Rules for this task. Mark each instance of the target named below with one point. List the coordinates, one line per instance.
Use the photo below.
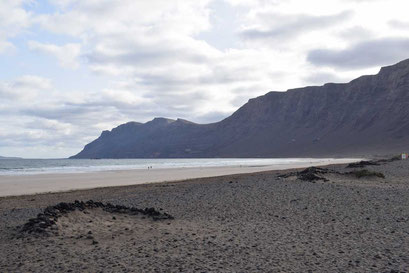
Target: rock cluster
(313, 174)
(362, 164)
(46, 221)
(310, 174)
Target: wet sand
(40, 183)
(258, 222)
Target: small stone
(377, 256)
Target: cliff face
(369, 115)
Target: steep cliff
(369, 115)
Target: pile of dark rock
(311, 174)
(46, 221)
(364, 163)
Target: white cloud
(67, 55)
(278, 26)
(13, 19)
(177, 17)
(26, 87)
(5, 46)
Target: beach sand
(257, 222)
(40, 183)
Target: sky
(70, 68)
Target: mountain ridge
(367, 115)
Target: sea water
(42, 166)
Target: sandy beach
(40, 183)
(261, 222)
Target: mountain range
(367, 116)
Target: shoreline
(269, 221)
(33, 184)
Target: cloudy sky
(72, 68)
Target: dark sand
(237, 223)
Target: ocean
(43, 166)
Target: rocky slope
(369, 115)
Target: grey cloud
(323, 77)
(72, 142)
(245, 90)
(133, 53)
(218, 75)
(244, 93)
(211, 117)
(363, 54)
(239, 100)
(18, 139)
(5, 93)
(399, 24)
(24, 87)
(129, 58)
(64, 112)
(173, 104)
(356, 33)
(287, 26)
(176, 105)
